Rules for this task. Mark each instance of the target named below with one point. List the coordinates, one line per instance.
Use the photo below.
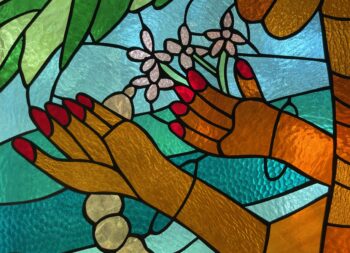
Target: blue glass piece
(244, 179)
(283, 77)
(196, 247)
(310, 108)
(126, 33)
(40, 90)
(14, 116)
(55, 224)
(307, 43)
(160, 222)
(276, 208)
(172, 239)
(139, 215)
(20, 180)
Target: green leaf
(137, 4)
(14, 8)
(10, 32)
(10, 66)
(109, 13)
(43, 37)
(81, 17)
(161, 3)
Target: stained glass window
(174, 126)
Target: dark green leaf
(79, 23)
(14, 8)
(109, 13)
(10, 67)
(161, 3)
(137, 4)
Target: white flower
(225, 38)
(183, 48)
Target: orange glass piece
(343, 142)
(341, 88)
(343, 173)
(339, 8)
(339, 213)
(342, 113)
(337, 239)
(253, 10)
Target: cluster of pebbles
(111, 229)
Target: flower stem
(204, 64)
(172, 73)
(222, 72)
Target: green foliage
(48, 25)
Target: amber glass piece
(339, 8)
(110, 117)
(252, 133)
(342, 113)
(225, 225)
(337, 238)
(83, 176)
(253, 10)
(338, 37)
(249, 88)
(341, 88)
(339, 213)
(95, 123)
(200, 141)
(305, 147)
(343, 173)
(219, 100)
(343, 142)
(289, 16)
(156, 180)
(300, 232)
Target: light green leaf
(109, 13)
(137, 4)
(44, 36)
(10, 32)
(10, 66)
(83, 13)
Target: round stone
(129, 91)
(98, 206)
(189, 51)
(226, 34)
(111, 232)
(120, 104)
(133, 245)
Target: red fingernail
(75, 108)
(177, 129)
(196, 80)
(186, 94)
(25, 148)
(84, 100)
(244, 69)
(41, 120)
(179, 108)
(58, 113)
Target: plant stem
(172, 73)
(222, 72)
(204, 64)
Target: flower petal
(138, 54)
(147, 65)
(165, 83)
(217, 46)
(185, 36)
(154, 74)
(228, 19)
(213, 34)
(147, 40)
(230, 48)
(172, 47)
(237, 38)
(163, 57)
(185, 61)
(152, 92)
(140, 81)
(201, 51)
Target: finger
(81, 176)
(200, 85)
(97, 108)
(194, 138)
(86, 117)
(246, 80)
(87, 138)
(55, 133)
(192, 120)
